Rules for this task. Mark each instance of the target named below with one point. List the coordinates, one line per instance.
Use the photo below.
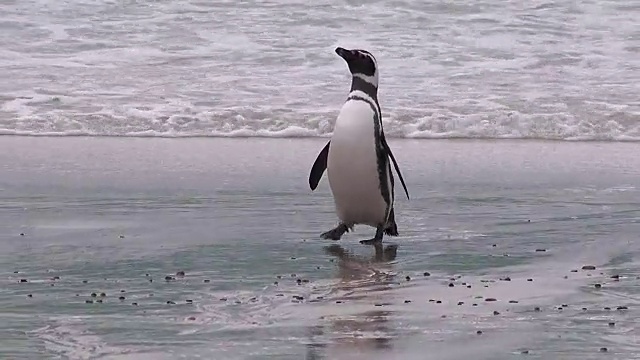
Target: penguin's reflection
(363, 279)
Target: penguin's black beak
(347, 55)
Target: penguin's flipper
(395, 164)
(318, 167)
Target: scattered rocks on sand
(588, 267)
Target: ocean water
(482, 69)
(510, 220)
(132, 227)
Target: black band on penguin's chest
(382, 158)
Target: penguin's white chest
(352, 166)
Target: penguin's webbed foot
(337, 232)
(377, 239)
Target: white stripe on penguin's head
(362, 64)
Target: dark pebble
(432, 300)
(529, 279)
(121, 290)
(377, 304)
(16, 271)
(506, 279)
(180, 273)
(408, 278)
(541, 250)
(407, 301)
(490, 299)
(84, 281)
(169, 302)
(565, 305)
(474, 304)
(53, 284)
(451, 285)
(588, 267)
(468, 286)
(299, 281)
(495, 312)
(55, 278)
(438, 301)
(615, 276)
(622, 308)
(275, 283)
(121, 236)
(23, 280)
(460, 303)
(494, 245)
(192, 318)
(94, 294)
(479, 332)
(207, 280)
(603, 349)
(317, 267)
(88, 301)
(513, 301)
(524, 352)
(278, 276)
(560, 307)
(293, 275)
(612, 324)
(338, 302)
(21, 234)
(607, 308)
(121, 298)
(298, 297)
(426, 273)
(147, 275)
(189, 301)
(597, 286)
(29, 295)
(574, 270)
(134, 303)
(99, 301)
(169, 278)
(150, 280)
(584, 309)
(537, 308)
(225, 299)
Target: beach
(210, 248)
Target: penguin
(357, 157)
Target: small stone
(94, 294)
(121, 298)
(443, 316)
(506, 279)
(524, 352)
(494, 245)
(169, 302)
(180, 273)
(169, 278)
(615, 276)
(565, 305)
(603, 349)
(541, 250)
(426, 273)
(584, 309)
(189, 301)
(529, 280)
(479, 332)
(490, 299)
(495, 312)
(88, 301)
(451, 285)
(474, 304)
(29, 295)
(99, 301)
(278, 276)
(225, 299)
(134, 303)
(293, 258)
(298, 297)
(23, 280)
(574, 271)
(468, 286)
(407, 301)
(432, 300)
(460, 303)
(121, 290)
(612, 324)
(408, 278)
(513, 301)
(588, 267)
(338, 302)
(438, 301)
(84, 281)
(150, 280)
(275, 283)
(207, 280)
(622, 308)
(597, 286)
(191, 318)
(55, 278)
(607, 308)
(16, 271)
(537, 308)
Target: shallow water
(482, 69)
(119, 212)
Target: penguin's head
(361, 64)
